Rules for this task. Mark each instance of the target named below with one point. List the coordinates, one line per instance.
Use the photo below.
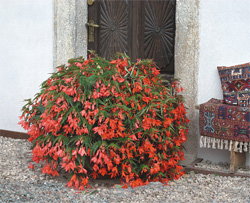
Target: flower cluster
(107, 118)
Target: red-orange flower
(110, 118)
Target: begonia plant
(113, 118)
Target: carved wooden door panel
(142, 29)
(158, 33)
(112, 35)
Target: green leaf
(117, 186)
(113, 144)
(60, 137)
(65, 117)
(83, 160)
(132, 71)
(142, 166)
(78, 160)
(95, 146)
(87, 142)
(41, 108)
(94, 192)
(141, 112)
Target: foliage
(96, 117)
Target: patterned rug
(235, 83)
(220, 124)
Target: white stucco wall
(26, 54)
(224, 40)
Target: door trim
(72, 16)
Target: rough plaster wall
(224, 40)
(70, 33)
(26, 54)
(186, 65)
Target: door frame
(70, 40)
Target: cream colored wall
(224, 40)
(26, 54)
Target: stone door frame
(70, 40)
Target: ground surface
(18, 183)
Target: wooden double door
(140, 28)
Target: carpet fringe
(215, 143)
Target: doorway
(141, 29)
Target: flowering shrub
(96, 117)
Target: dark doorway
(142, 29)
